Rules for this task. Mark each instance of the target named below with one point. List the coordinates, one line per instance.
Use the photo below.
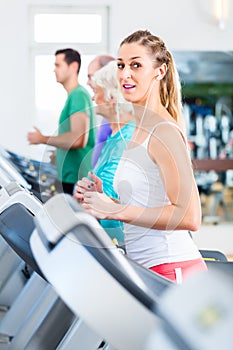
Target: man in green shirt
(76, 136)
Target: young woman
(111, 104)
(159, 200)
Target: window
(76, 28)
(53, 28)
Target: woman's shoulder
(171, 126)
(169, 132)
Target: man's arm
(76, 138)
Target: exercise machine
(94, 278)
(36, 317)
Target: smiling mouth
(128, 86)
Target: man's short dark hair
(71, 56)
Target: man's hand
(35, 137)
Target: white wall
(183, 24)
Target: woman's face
(136, 72)
(100, 100)
(99, 96)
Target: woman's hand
(100, 205)
(98, 186)
(87, 185)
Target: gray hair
(106, 78)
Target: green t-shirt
(73, 164)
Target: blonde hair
(106, 78)
(170, 89)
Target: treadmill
(128, 306)
(113, 295)
(36, 318)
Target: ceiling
(205, 66)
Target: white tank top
(138, 183)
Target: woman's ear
(161, 71)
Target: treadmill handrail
(13, 173)
(15, 193)
(84, 228)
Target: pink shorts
(179, 271)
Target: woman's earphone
(158, 77)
